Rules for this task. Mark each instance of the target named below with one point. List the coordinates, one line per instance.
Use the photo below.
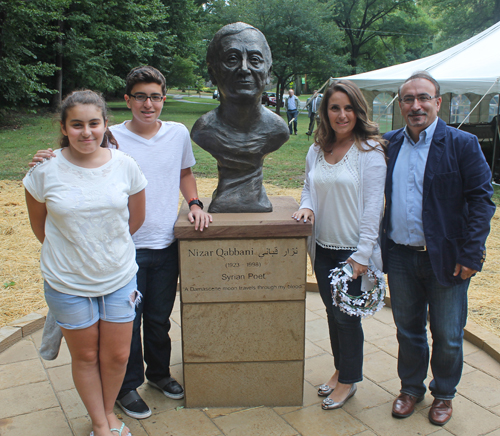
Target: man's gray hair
(422, 75)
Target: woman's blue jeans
(414, 288)
(346, 332)
(157, 281)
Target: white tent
(471, 66)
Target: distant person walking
(292, 106)
(312, 105)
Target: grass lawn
(284, 167)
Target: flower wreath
(369, 302)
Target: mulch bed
(22, 284)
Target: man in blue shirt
(437, 218)
(292, 106)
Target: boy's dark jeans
(157, 281)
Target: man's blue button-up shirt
(407, 189)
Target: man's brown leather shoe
(404, 405)
(440, 412)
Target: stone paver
(48, 422)
(26, 399)
(483, 362)
(24, 350)
(38, 397)
(184, 422)
(481, 388)
(21, 373)
(313, 421)
(253, 422)
(470, 418)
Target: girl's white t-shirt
(88, 250)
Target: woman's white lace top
(337, 188)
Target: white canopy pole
(485, 94)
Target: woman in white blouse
(343, 197)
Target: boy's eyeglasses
(155, 98)
(424, 98)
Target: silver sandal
(324, 390)
(329, 404)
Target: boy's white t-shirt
(88, 250)
(161, 158)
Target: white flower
(368, 303)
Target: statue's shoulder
(205, 125)
(206, 120)
(275, 124)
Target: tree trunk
(298, 85)
(2, 20)
(278, 96)
(57, 97)
(496, 11)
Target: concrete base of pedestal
(244, 384)
(243, 308)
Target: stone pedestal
(243, 308)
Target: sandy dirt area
(21, 281)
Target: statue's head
(239, 61)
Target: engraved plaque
(243, 270)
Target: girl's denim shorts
(74, 313)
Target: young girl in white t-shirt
(84, 205)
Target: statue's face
(242, 71)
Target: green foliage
(23, 30)
(496, 195)
(182, 74)
(51, 47)
(177, 54)
(56, 46)
(458, 20)
(102, 41)
(377, 33)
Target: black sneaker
(133, 405)
(170, 387)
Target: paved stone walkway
(38, 397)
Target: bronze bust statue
(241, 131)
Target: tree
(179, 57)
(54, 46)
(372, 26)
(100, 42)
(23, 31)
(459, 20)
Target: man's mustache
(418, 113)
